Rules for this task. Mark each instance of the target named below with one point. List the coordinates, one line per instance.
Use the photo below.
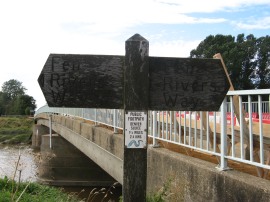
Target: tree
(4, 103)
(239, 55)
(13, 88)
(22, 102)
(13, 99)
(212, 45)
(261, 75)
(246, 53)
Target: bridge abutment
(65, 165)
(38, 131)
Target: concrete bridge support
(65, 165)
(38, 131)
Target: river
(27, 170)
(27, 167)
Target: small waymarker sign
(96, 81)
(135, 129)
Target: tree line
(247, 58)
(14, 100)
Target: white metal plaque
(135, 129)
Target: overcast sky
(32, 29)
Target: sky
(32, 29)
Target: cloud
(176, 48)
(262, 23)
(210, 6)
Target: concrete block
(87, 130)
(57, 119)
(113, 143)
(77, 126)
(63, 121)
(69, 123)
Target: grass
(14, 130)
(29, 191)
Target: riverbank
(15, 139)
(29, 191)
(18, 168)
(16, 130)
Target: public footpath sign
(136, 83)
(135, 129)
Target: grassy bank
(25, 192)
(18, 130)
(14, 130)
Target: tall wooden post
(136, 90)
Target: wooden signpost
(136, 83)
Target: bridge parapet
(191, 179)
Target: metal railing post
(50, 126)
(223, 136)
(155, 143)
(114, 121)
(260, 129)
(250, 128)
(82, 112)
(95, 116)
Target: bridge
(214, 156)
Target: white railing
(109, 117)
(240, 134)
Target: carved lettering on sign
(97, 81)
(84, 80)
(185, 84)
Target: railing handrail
(250, 92)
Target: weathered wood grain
(136, 98)
(186, 84)
(94, 81)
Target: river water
(27, 169)
(24, 156)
